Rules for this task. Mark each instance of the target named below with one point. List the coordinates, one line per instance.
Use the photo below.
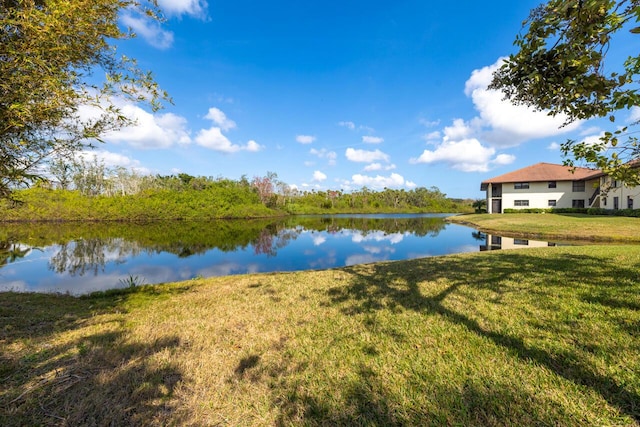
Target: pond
(79, 258)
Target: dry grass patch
(535, 337)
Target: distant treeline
(92, 194)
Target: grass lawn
(558, 226)
(529, 337)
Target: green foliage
(633, 213)
(479, 205)
(103, 194)
(560, 67)
(527, 210)
(50, 54)
(132, 281)
(367, 201)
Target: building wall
(539, 194)
(613, 190)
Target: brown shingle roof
(543, 172)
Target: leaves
(50, 54)
(560, 68)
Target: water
(87, 257)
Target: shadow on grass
(61, 366)
(386, 286)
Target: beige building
(616, 195)
(545, 186)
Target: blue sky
(335, 95)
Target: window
(604, 201)
(521, 186)
(521, 242)
(577, 203)
(520, 203)
(552, 184)
(552, 202)
(615, 184)
(616, 203)
(578, 186)
(496, 240)
(629, 202)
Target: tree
(264, 186)
(479, 205)
(560, 68)
(52, 101)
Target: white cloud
(500, 124)
(433, 135)
(253, 146)
(458, 130)
(378, 182)
(554, 146)
(319, 176)
(373, 167)
(509, 124)
(467, 155)
(365, 156)
(372, 139)
(149, 130)
(220, 118)
(305, 139)
(634, 114)
(503, 159)
(213, 139)
(110, 160)
(149, 30)
(196, 8)
(410, 184)
(348, 125)
(593, 139)
(429, 123)
(590, 130)
(318, 240)
(377, 166)
(331, 156)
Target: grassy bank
(536, 337)
(557, 226)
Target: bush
(528, 210)
(571, 210)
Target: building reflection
(493, 242)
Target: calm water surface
(82, 258)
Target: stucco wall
(622, 192)
(538, 194)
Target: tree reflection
(11, 252)
(270, 240)
(91, 255)
(86, 248)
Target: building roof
(543, 172)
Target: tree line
(89, 190)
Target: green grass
(529, 337)
(558, 226)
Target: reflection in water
(86, 257)
(10, 252)
(493, 242)
(90, 255)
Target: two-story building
(544, 185)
